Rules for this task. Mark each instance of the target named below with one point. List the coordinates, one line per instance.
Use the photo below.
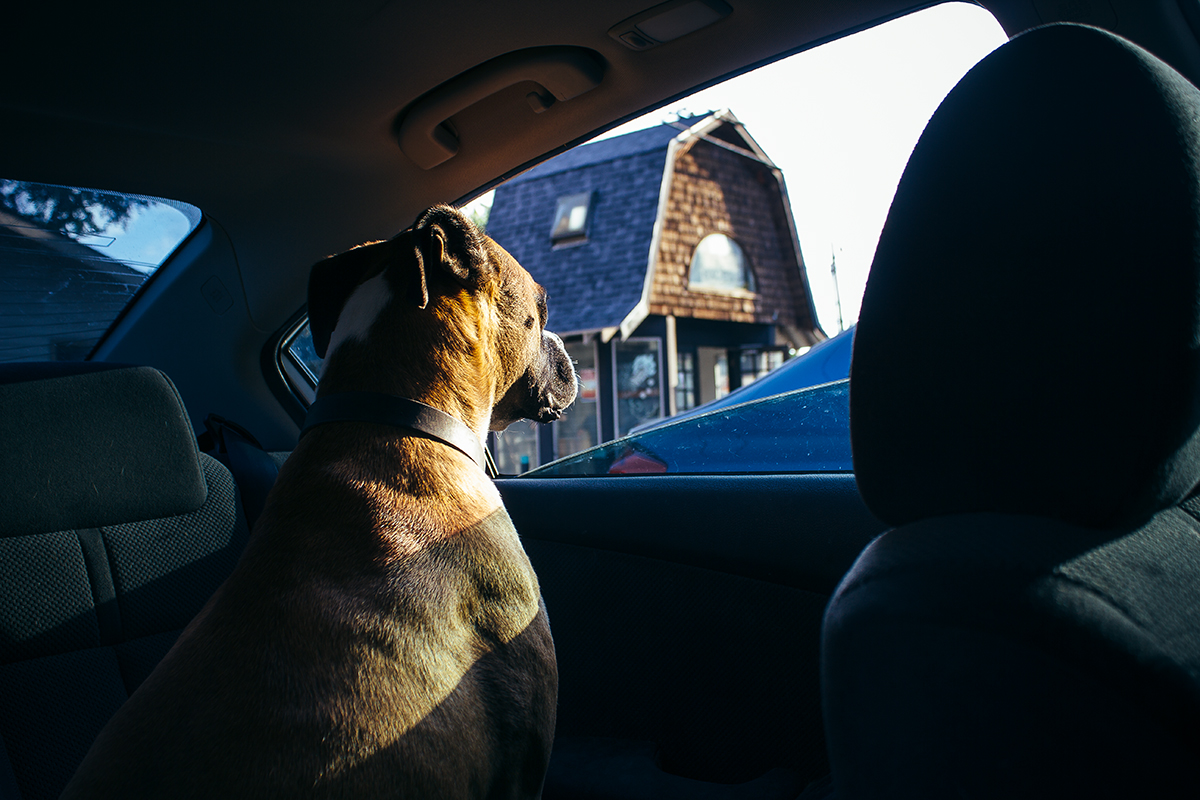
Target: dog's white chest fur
(360, 313)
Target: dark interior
(688, 611)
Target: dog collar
(400, 412)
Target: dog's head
(443, 314)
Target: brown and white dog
(383, 634)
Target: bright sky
(840, 120)
(145, 239)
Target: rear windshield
(71, 259)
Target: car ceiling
(276, 119)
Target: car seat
(115, 531)
(1025, 411)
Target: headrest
(1028, 340)
(98, 447)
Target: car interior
(1029, 624)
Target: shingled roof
(601, 284)
(596, 285)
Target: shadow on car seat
(1025, 409)
(115, 533)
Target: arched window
(720, 265)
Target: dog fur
(383, 635)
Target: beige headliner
(276, 118)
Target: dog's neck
(469, 401)
(460, 410)
(398, 412)
(447, 370)
(401, 478)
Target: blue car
(753, 429)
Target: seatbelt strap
(9, 790)
(253, 468)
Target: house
(673, 270)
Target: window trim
(295, 373)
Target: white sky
(840, 120)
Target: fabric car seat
(1025, 411)
(114, 533)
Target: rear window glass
(71, 259)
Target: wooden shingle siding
(714, 190)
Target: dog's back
(430, 675)
(383, 634)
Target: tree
(74, 211)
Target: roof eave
(637, 315)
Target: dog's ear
(447, 243)
(331, 283)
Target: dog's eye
(529, 323)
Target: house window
(719, 265)
(571, 217)
(516, 448)
(579, 427)
(637, 367)
(685, 385)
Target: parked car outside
(826, 362)
(804, 430)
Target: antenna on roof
(837, 293)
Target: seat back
(115, 532)
(1025, 410)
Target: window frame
(296, 374)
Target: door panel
(686, 610)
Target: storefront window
(579, 427)
(755, 364)
(516, 449)
(637, 371)
(685, 382)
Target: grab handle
(564, 72)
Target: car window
(728, 239)
(71, 260)
(718, 242)
(807, 430)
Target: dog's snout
(563, 383)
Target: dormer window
(571, 218)
(719, 265)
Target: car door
(686, 612)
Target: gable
(718, 191)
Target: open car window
(715, 242)
(807, 430)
